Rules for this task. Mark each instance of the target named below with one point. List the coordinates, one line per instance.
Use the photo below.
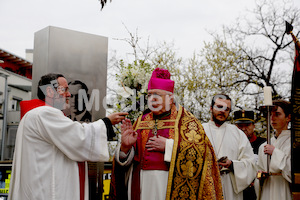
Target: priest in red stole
(51, 150)
(165, 154)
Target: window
(16, 103)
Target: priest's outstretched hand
(117, 117)
(128, 136)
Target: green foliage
(133, 82)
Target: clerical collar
(160, 116)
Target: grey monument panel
(79, 56)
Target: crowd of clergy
(165, 154)
(242, 156)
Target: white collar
(212, 123)
(284, 132)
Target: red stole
(28, 105)
(81, 170)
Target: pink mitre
(160, 79)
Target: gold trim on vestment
(203, 173)
(193, 172)
(138, 121)
(174, 152)
(162, 124)
(147, 124)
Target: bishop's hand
(128, 136)
(156, 143)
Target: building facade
(15, 78)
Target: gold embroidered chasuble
(193, 171)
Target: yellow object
(106, 186)
(3, 191)
(106, 183)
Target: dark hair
(285, 105)
(78, 82)
(219, 96)
(84, 87)
(47, 80)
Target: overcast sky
(186, 23)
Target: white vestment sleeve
(244, 167)
(168, 150)
(120, 155)
(281, 162)
(79, 142)
(261, 157)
